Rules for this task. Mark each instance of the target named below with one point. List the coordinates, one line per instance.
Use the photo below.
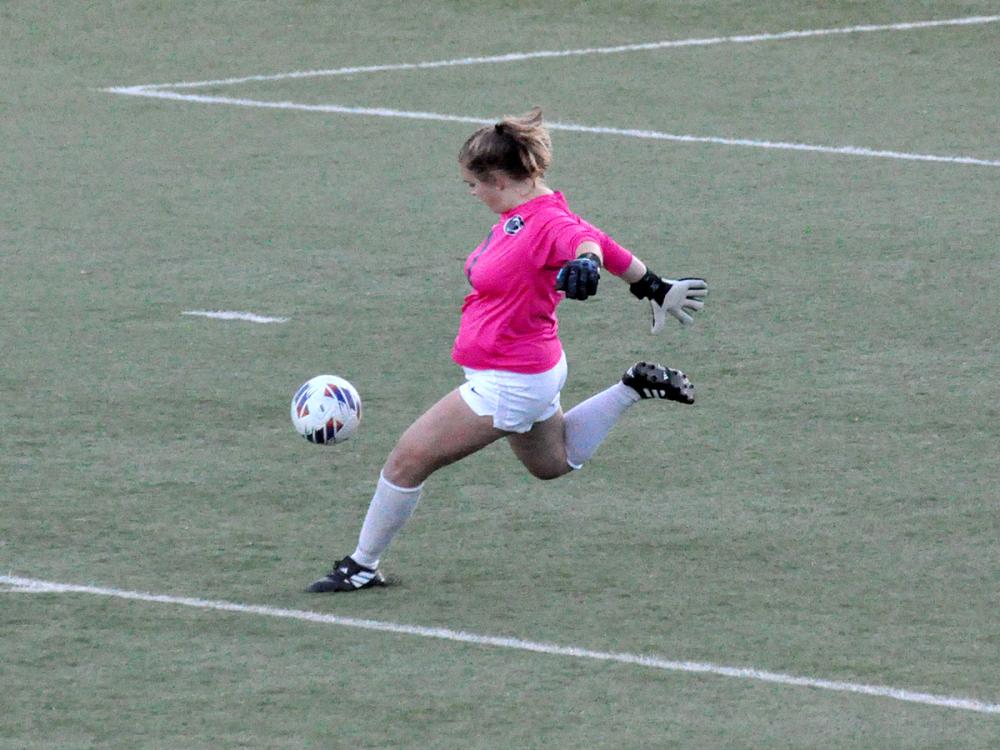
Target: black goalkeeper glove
(578, 278)
(668, 296)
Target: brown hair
(519, 146)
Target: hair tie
(499, 128)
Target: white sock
(590, 421)
(390, 508)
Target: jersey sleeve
(567, 233)
(616, 258)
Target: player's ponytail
(519, 146)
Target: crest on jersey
(513, 225)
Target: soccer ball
(326, 410)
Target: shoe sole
(658, 375)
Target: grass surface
(829, 508)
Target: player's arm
(678, 297)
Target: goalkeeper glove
(668, 296)
(578, 278)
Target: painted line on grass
(234, 315)
(570, 127)
(517, 644)
(549, 54)
(168, 91)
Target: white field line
(168, 90)
(233, 315)
(543, 54)
(517, 644)
(570, 127)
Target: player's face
(491, 192)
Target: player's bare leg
(445, 433)
(543, 449)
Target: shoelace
(337, 568)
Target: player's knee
(548, 471)
(408, 465)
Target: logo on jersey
(513, 225)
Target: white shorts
(515, 400)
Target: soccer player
(536, 254)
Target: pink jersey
(509, 319)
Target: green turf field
(828, 510)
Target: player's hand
(578, 278)
(679, 298)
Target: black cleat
(347, 575)
(656, 381)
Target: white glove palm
(683, 295)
